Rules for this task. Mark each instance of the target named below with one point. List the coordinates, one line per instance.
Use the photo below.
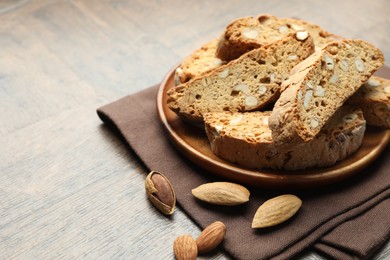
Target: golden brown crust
(247, 33)
(198, 63)
(245, 139)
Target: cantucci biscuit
(245, 84)
(245, 139)
(247, 33)
(316, 90)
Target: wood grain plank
(68, 187)
(78, 206)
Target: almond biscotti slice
(245, 84)
(199, 62)
(374, 99)
(315, 91)
(247, 33)
(245, 139)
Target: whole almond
(211, 237)
(184, 248)
(160, 192)
(222, 193)
(276, 210)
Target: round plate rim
(262, 178)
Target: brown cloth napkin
(347, 220)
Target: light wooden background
(68, 187)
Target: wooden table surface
(68, 187)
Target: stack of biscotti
(248, 83)
(245, 139)
(241, 36)
(309, 124)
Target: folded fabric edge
(109, 123)
(326, 226)
(333, 252)
(371, 221)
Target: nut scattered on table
(211, 237)
(185, 248)
(222, 193)
(160, 192)
(276, 210)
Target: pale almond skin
(276, 210)
(211, 237)
(160, 192)
(185, 248)
(222, 193)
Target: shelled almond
(211, 237)
(184, 248)
(276, 210)
(222, 193)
